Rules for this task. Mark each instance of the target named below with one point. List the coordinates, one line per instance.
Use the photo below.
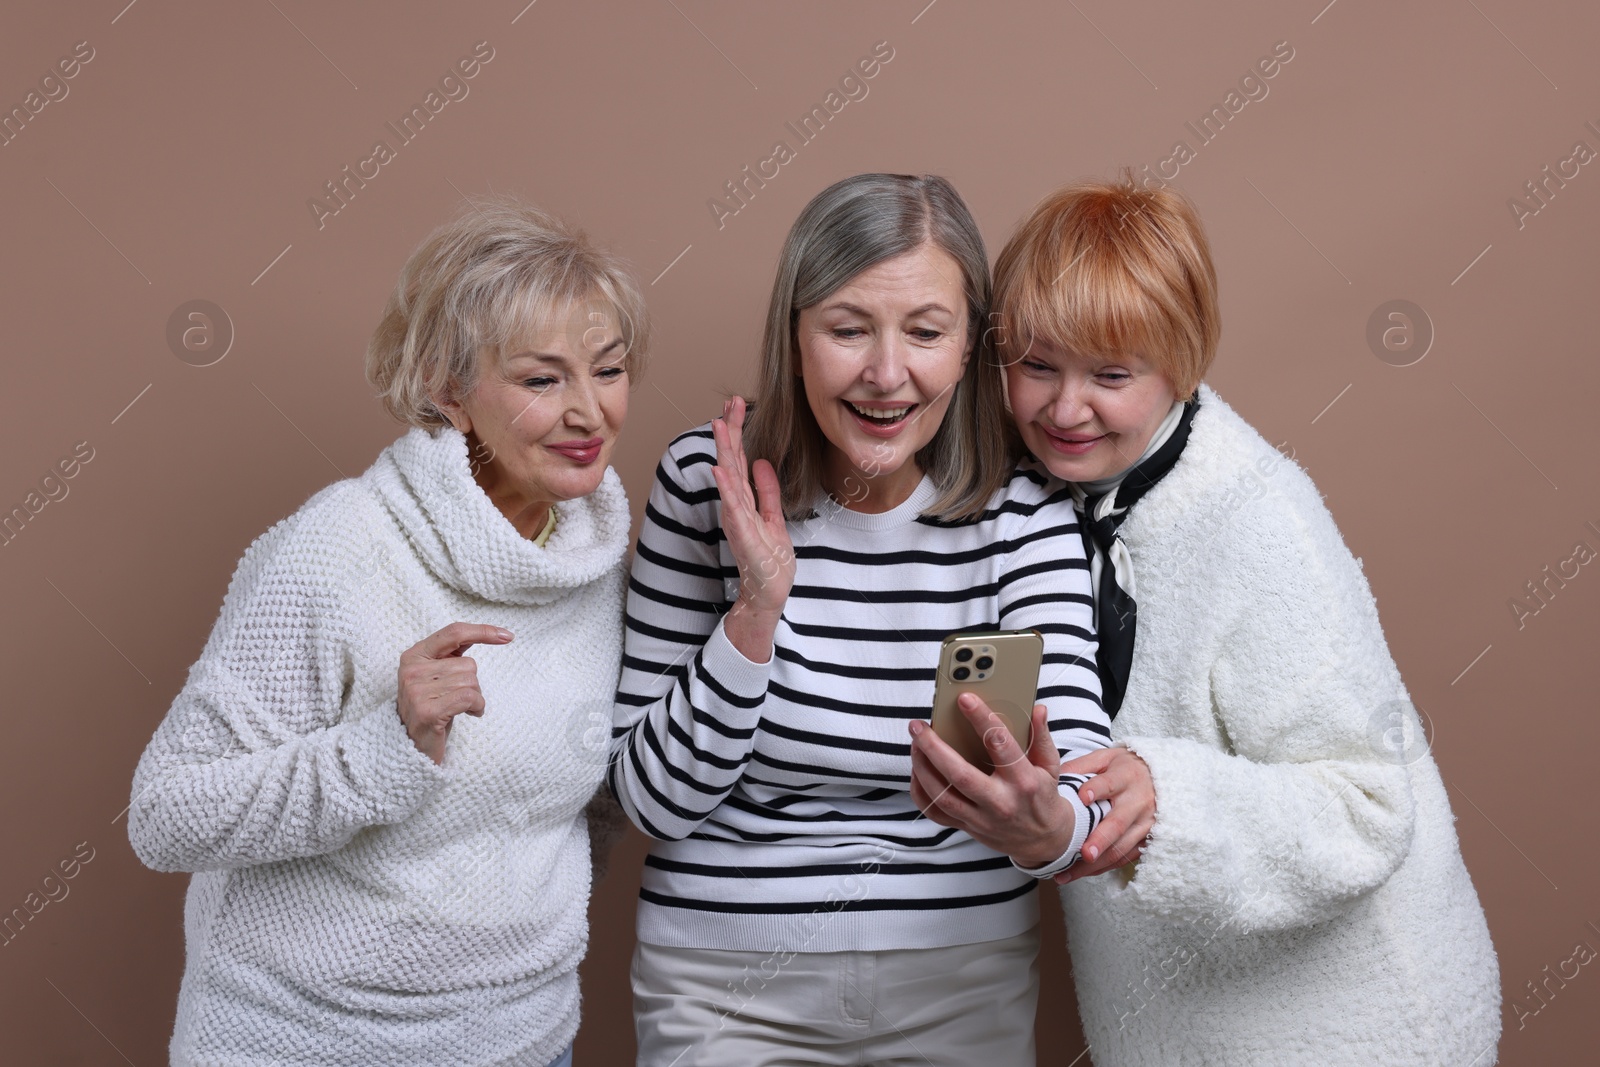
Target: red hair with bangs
(1108, 268)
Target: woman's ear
(455, 413)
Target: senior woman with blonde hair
(1299, 895)
(378, 879)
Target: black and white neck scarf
(1103, 506)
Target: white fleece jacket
(1303, 898)
(354, 903)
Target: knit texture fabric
(1302, 899)
(352, 902)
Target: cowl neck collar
(426, 482)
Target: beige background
(1378, 167)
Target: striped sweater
(778, 792)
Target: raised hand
(437, 683)
(753, 523)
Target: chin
(574, 488)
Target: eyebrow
(844, 305)
(550, 357)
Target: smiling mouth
(581, 451)
(882, 416)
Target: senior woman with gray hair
(378, 879)
(796, 907)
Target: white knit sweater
(1303, 898)
(354, 903)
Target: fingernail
(917, 726)
(505, 635)
(1092, 852)
(1088, 796)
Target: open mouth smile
(882, 417)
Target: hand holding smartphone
(1002, 668)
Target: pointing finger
(456, 638)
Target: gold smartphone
(1002, 668)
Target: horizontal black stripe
(749, 807)
(741, 907)
(710, 536)
(848, 707)
(676, 637)
(1051, 566)
(694, 570)
(790, 799)
(665, 802)
(811, 771)
(651, 668)
(1096, 728)
(825, 870)
(852, 744)
(668, 600)
(1009, 507)
(1070, 691)
(1067, 659)
(897, 596)
(880, 633)
(792, 787)
(1086, 636)
(691, 497)
(711, 722)
(728, 696)
(685, 775)
(1022, 603)
(808, 839)
(697, 754)
(922, 556)
(848, 670)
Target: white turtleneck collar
(426, 482)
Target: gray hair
(488, 279)
(847, 228)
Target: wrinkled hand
(757, 537)
(437, 683)
(1018, 810)
(1123, 778)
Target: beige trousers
(962, 1006)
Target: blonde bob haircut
(1108, 268)
(847, 228)
(487, 281)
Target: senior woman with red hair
(1299, 895)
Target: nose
(1071, 405)
(583, 405)
(886, 365)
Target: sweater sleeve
(1309, 810)
(254, 761)
(688, 702)
(1045, 587)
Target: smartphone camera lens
(963, 654)
(984, 663)
(961, 674)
